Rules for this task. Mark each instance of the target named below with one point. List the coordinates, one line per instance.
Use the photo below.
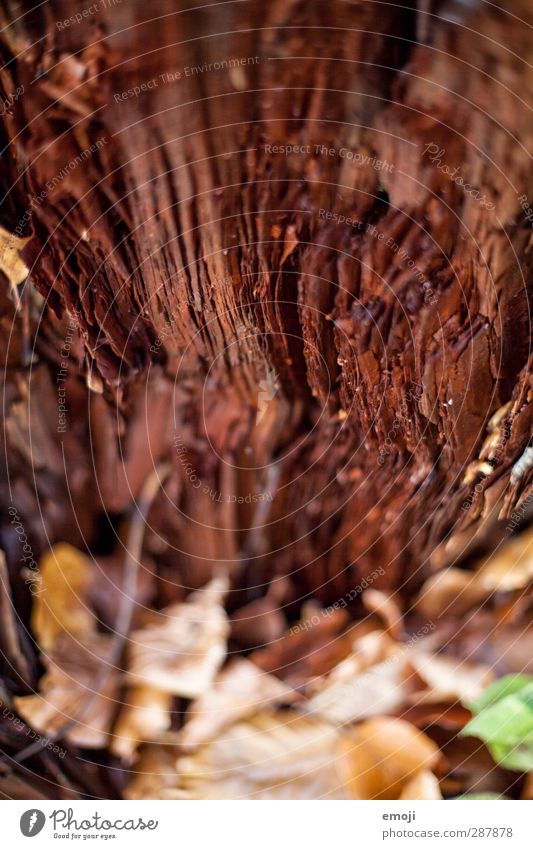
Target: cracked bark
(201, 269)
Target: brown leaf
(183, 649)
(272, 756)
(241, 690)
(290, 756)
(422, 786)
(382, 755)
(470, 767)
(60, 604)
(450, 591)
(444, 714)
(450, 678)
(510, 567)
(10, 261)
(258, 623)
(154, 776)
(376, 601)
(67, 692)
(314, 651)
(144, 715)
(376, 678)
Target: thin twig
(122, 625)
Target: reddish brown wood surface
(225, 315)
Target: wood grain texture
(201, 269)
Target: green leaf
(505, 724)
(479, 796)
(501, 688)
(518, 758)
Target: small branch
(123, 622)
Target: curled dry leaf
(67, 692)
(183, 649)
(240, 690)
(448, 678)
(376, 678)
(60, 604)
(423, 786)
(451, 591)
(304, 652)
(367, 650)
(258, 623)
(154, 776)
(511, 567)
(145, 714)
(382, 755)
(445, 715)
(376, 601)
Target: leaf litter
(338, 710)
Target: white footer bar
(269, 825)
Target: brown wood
(222, 313)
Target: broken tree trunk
(285, 247)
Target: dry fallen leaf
(10, 261)
(272, 756)
(366, 650)
(302, 653)
(67, 692)
(241, 690)
(376, 601)
(382, 755)
(449, 678)
(287, 755)
(511, 567)
(423, 786)
(183, 649)
(154, 775)
(376, 678)
(258, 623)
(451, 591)
(60, 603)
(144, 714)
(445, 715)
